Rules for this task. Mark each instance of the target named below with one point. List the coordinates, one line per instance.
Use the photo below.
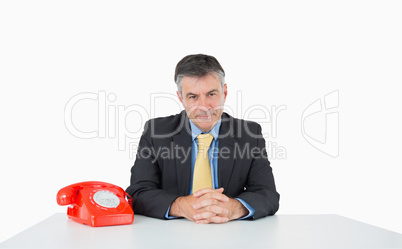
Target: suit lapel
(183, 158)
(226, 148)
(225, 160)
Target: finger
(214, 219)
(204, 203)
(201, 221)
(211, 211)
(210, 199)
(203, 216)
(213, 195)
(218, 210)
(218, 219)
(204, 191)
(207, 190)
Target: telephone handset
(96, 204)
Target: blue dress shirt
(213, 161)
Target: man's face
(203, 99)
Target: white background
(287, 54)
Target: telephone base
(109, 220)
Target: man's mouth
(204, 116)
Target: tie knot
(205, 140)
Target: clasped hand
(208, 206)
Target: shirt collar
(195, 131)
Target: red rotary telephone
(96, 204)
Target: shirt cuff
(167, 216)
(251, 210)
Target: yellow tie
(202, 171)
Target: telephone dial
(96, 204)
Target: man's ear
(225, 90)
(179, 96)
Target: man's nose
(202, 101)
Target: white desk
(279, 231)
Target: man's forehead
(205, 83)
(208, 77)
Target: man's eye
(212, 94)
(192, 97)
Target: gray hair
(198, 65)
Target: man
(202, 164)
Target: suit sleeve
(148, 198)
(260, 191)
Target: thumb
(220, 190)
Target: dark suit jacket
(162, 169)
